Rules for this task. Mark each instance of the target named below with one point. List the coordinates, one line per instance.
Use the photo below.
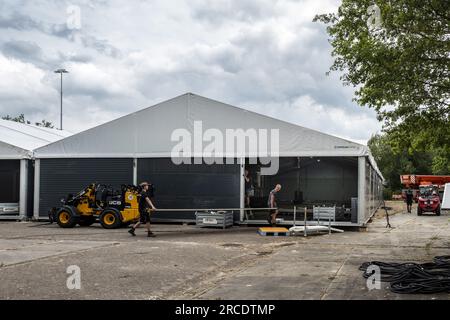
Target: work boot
(131, 231)
(151, 234)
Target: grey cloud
(217, 12)
(35, 110)
(252, 68)
(27, 51)
(98, 93)
(75, 57)
(18, 21)
(61, 31)
(101, 46)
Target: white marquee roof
(147, 133)
(18, 140)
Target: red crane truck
(428, 191)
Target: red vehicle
(427, 189)
(429, 200)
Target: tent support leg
(242, 187)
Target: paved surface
(184, 262)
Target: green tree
(393, 164)
(45, 124)
(400, 67)
(21, 118)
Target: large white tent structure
(315, 167)
(17, 142)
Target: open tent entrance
(307, 181)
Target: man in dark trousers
(409, 199)
(145, 207)
(272, 203)
(249, 191)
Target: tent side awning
(10, 152)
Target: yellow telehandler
(112, 208)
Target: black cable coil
(431, 277)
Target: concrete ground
(185, 262)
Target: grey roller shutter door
(10, 181)
(9, 187)
(59, 177)
(191, 186)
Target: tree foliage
(399, 67)
(21, 118)
(393, 164)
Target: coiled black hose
(431, 277)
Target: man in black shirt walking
(145, 207)
(409, 199)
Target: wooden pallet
(273, 232)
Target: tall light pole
(61, 71)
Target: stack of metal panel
(324, 213)
(218, 219)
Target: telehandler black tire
(66, 217)
(110, 218)
(86, 221)
(438, 211)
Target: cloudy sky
(263, 55)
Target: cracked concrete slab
(12, 252)
(185, 262)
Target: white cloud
(23, 88)
(264, 55)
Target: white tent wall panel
(373, 191)
(368, 193)
(362, 189)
